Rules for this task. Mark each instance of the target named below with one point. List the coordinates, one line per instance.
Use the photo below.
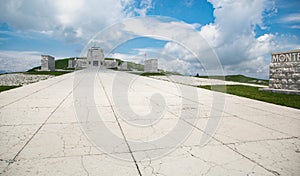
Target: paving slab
(208, 160)
(102, 122)
(281, 156)
(79, 165)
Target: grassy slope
(254, 93)
(118, 60)
(4, 88)
(132, 65)
(239, 78)
(62, 64)
(59, 64)
(152, 74)
(54, 73)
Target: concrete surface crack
(32, 93)
(233, 149)
(82, 164)
(41, 126)
(120, 127)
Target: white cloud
(233, 37)
(19, 61)
(295, 26)
(292, 18)
(186, 44)
(14, 61)
(68, 19)
(128, 57)
(232, 34)
(133, 8)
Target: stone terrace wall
(285, 74)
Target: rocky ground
(17, 79)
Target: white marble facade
(95, 57)
(47, 63)
(151, 65)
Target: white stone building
(71, 63)
(47, 63)
(80, 62)
(95, 57)
(124, 66)
(110, 63)
(151, 65)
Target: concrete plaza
(115, 123)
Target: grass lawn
(61, 63)
(54, 73)
(253, 93)
(4, 88)
(153, 74)
(238, 78)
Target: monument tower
(95, 57)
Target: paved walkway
(114, 123)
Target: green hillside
(238, 78)
(4, 88)
(62, 63)
(132, 65)
(59, 64)
(118, 60)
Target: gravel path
(17, 79)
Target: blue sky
(243, 33)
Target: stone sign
(285, 70)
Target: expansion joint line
(234, 150)
(120, 127)
(14, 159)
(33, 93)
(34, 134)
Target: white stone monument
(285, 72)
(110, 63)
(95, 57)
(124, 66)
(71, 63)
(151, 65)
(47, 63)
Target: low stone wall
(285, 75)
